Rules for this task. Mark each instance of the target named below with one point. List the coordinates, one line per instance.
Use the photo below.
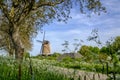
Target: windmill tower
(45, 47)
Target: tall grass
(9, 71)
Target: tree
(6, 43)
(84, 50)
(89, 50)
(104, 50)
(116, 44)
(94, 49)
(90, 53)
(114, 47)
(20, 15)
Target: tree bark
(19, 50)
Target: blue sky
(80, 27)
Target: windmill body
(45, 48)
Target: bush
(67, 59)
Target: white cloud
(73, 32)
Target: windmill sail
(41, 50)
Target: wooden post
(107, 68)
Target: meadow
(9, 71)
(49, 68)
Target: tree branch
(40, 4)
(26, 10)
(6, 13)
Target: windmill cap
(46, 41)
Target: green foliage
(26, 55)
(90, 53)
(56, 54)
(67, 59)
(84, 50)
(103, 56)
(116, 44)
(9, 71)
(95, 50)
(104, 50)
(87, 50)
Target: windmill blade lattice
(41, 50)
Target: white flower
(109, 58)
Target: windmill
(45, 47)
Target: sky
(80, 27)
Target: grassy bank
(9, 71)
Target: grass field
(9, 71)
(35, 69)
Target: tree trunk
(18, 46)
(18, 49)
